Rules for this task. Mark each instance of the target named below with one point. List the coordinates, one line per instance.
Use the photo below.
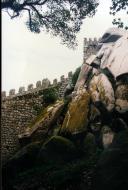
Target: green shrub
(50, 95)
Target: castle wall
(19, 110)
(90, 47)
(17, 113)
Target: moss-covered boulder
(23, 160)
(76, 119)
(121, 95)
(112, 169)
(95, 119)
(107, 136)
(43, 123)
(101, 90)
(57, 149)
(89, 144)
(84, 73)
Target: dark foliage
(118, 5)
(112, 169)
(59, 17)
(50, 95)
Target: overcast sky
(28, 57)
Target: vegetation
(59, 17)
(50, 95)
(118, 5)
(52, 174)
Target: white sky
(28, 57)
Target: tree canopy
(59, 17)
(118, 5)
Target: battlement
(90, 41)
(40, 85)
(89, 47)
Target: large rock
(76, 119)
(114, 51)
(89, 144)
(121, 95)
(83, 76)
(107, 136)
(109, 68)
(43, 123)
(112, 169)
(57, 150)
(23, 160)
(95, 119)
(101, 90)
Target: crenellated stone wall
(20, 109)
(17, 113)
(40, 86)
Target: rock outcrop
(76, 119)
(90, 142)
(43, 123)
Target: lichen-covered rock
(59, 143)
(57, 149)
(43, 121)
(107, 136)
(108, 66)
(83, 76)
(102, 90)
(95, 119)
(118, 125)
(89, 144)
(76, 119)
(22, 160)
(112, 168)
(121, 95)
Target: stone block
(38, 84)
(55, 82)
(45, 83)
(12, 92)
(30, 87)
(21, 89)
(62, 79)
(3, 94)
(70, 74)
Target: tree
(118, 5)
(59, 17)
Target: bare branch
(38, 13)
(38, 2)
(15, 15)
(9, 13)
(30, 19)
